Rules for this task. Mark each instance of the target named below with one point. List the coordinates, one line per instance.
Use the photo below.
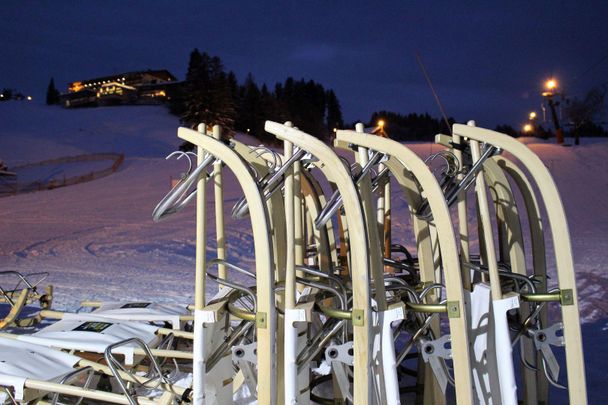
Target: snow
(32, 132)
(97, 239)
(57, 171)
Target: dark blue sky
(487, 59)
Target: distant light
(381, 123)
(551, 84)
(335, 129)
(29, 98)
(533, 115)
(1, 95)
(247, 129)
(527, 128)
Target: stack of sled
(109, 352)
(337, 309)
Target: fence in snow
(12, 185)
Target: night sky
(488, 60)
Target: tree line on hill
(411, 127)
(11, 94)
(212, 95)
(423, 127)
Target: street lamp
(380, 129)
(527, 128)
(532, 115)
(551, 86)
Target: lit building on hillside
(142, 87)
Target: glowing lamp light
(551, 84)
(381, 123)
(533, 115)
(527, 128)
(29, 98)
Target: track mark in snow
(171, 249)
(31, 249)
(40, 248)
(87, 248)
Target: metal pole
(198, 366)
(559, 135)
(291, 335)
(463, 224)
(219, 209)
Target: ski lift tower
(551, 91)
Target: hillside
(97, 239)
(103, 229)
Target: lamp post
(551, 87)
(530, 126)
(381, 128)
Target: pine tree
(190, 114)
(196, 89)
(209, 93)
(212, 96)
(222, 106)
(52, 94)
(334, 112)
(268, 111)
(249, 107)
(233, 86)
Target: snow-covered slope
(97, 239)
(32, 132)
